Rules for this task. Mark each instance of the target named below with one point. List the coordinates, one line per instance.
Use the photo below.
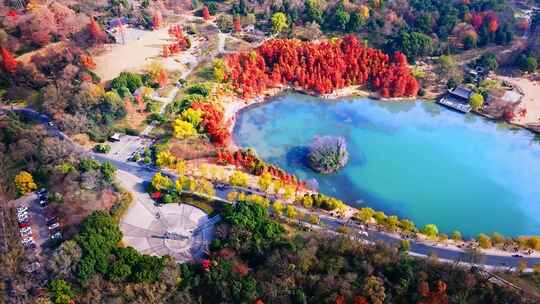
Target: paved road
(417, 248)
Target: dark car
(24, 224)
(51, 220)
(517, 256)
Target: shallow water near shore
(417, 160)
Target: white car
(26, 230)
(28, 239)
(26, 234)
(22, 217)
(22, 209)
(54, 226)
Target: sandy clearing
(136, 54)
(531, 98)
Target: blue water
(413, 159)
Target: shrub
(328, 154)
(203, 89)
(476, 101)
(102, 148)
(431, 230)
(484, 241)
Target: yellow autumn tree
(165, 159)
(192, 116)
(183, 129)
(238, 178)
(364, 11)
(265, 180)
(161, 182)
(25, 182)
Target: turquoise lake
(417, 160)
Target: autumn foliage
(250, 162)
(95, 31)
(9, 64)
(237, 26)
(182, 43)
(213, 122)
(157, 20)
(320, 67)
(205, 13)
(88, 62)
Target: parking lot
(127, 146)
(37, 225)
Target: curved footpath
(417, 248)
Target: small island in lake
(328, 154)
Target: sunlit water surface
(414, 159)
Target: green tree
(279, 22)
(108, 170)
(476, 101)
(488, 61)
(430, 230)
(456, 235)
(313, 11)
(62, 293)
(407, 225)
(528, 63)
(404, 245)
(392, 222)
(412, 44)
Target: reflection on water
(414, 159)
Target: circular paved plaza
(178, 230)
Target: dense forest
(47, 63)
(256, 259)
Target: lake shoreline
(236, 105)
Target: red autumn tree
(140, 102)
(237, 26)
(8, 61)
(493, 25)
(157, 20)
(205, 13)
(320, 67)
(95, 31)
(88, 62)
(162, 78)
(166, 53)
(213, 122)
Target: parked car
(56, 236)
(43, 203)
(54, 226)
(24, 224)
(22, 218)
(22, 209)
(41, 191)
(25, 229)
(51, 220)
(30, 246)
(26, 233)
(28, 239)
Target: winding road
(417, 248)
